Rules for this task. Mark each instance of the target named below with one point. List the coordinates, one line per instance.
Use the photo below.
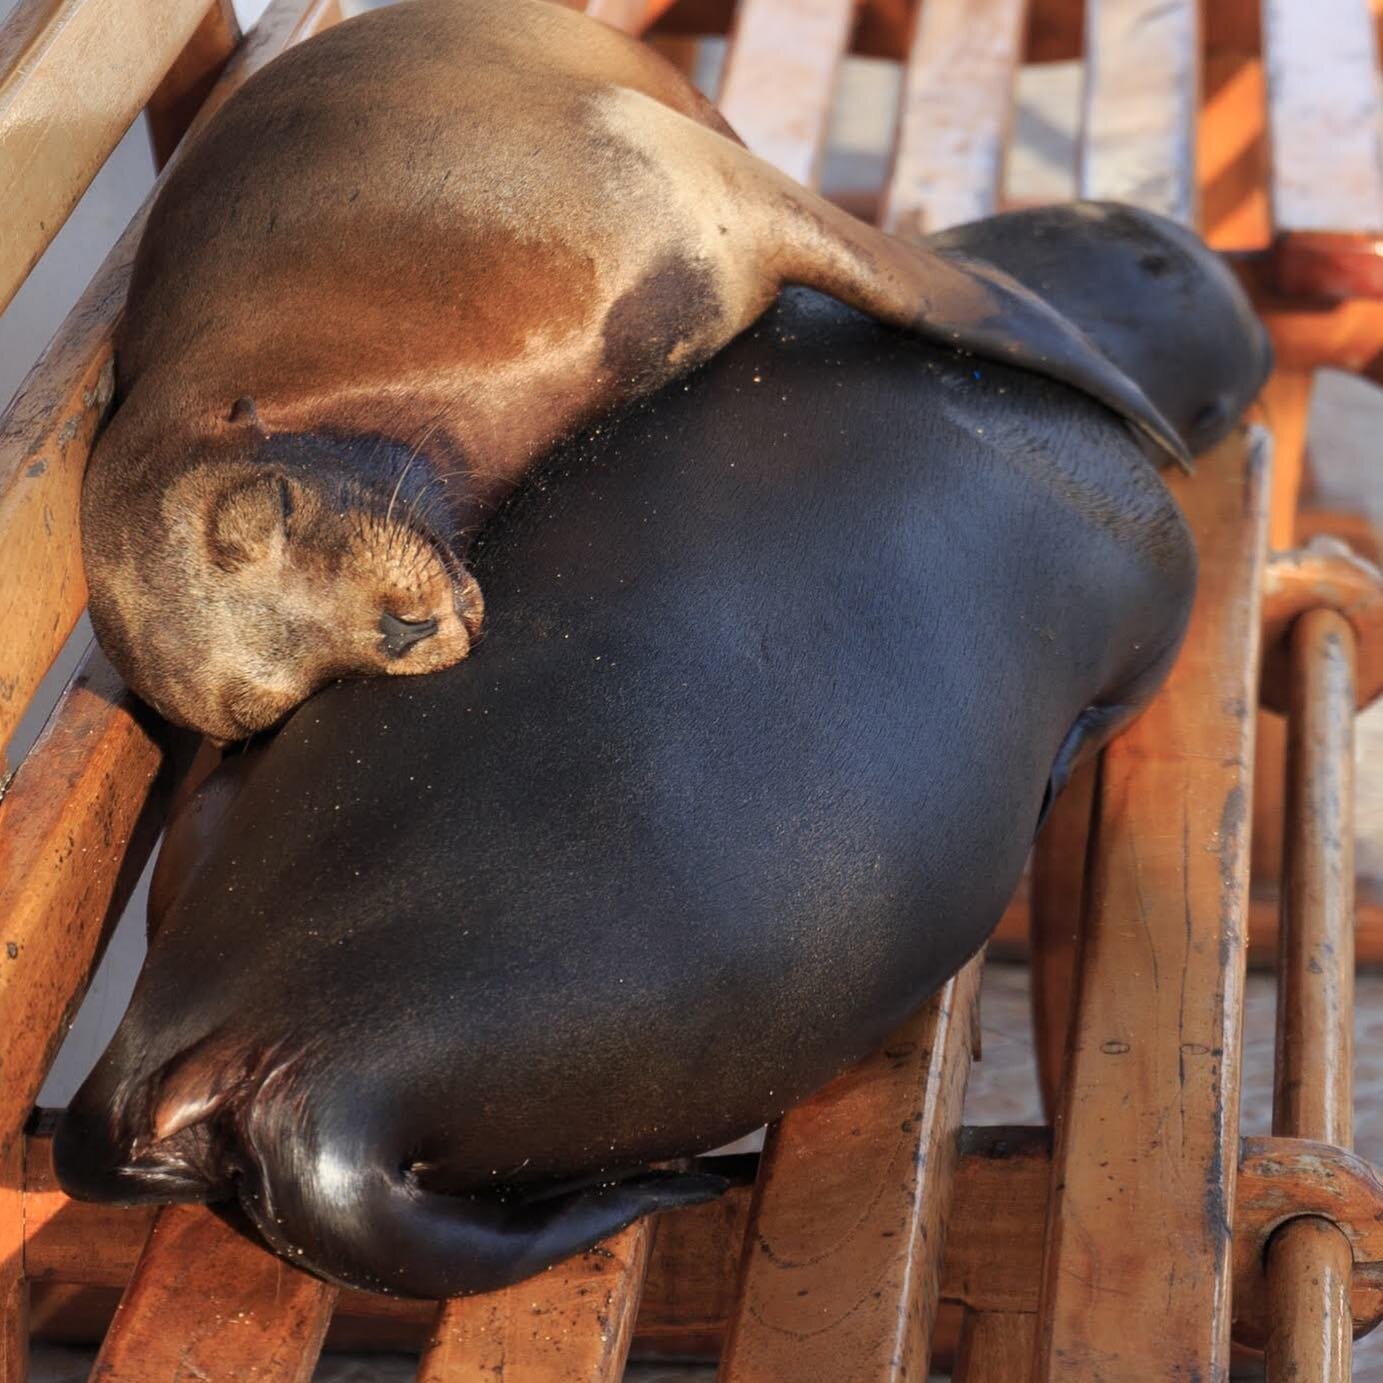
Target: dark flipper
(959, 302)
(1094, 728)
(382, 1232)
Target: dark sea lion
(782, 668)
(393, 268)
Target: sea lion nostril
(401, 634)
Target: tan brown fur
(464, 226)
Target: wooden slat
(996, 1347)
(1137, 1273)
(71, 843)
(1142, 91)
(842, 1263)
(14, 1290)
(1324, 114)
(206, 1302)
(571, 1324)
(47, 431)
(1310, 1264)
(73, 76)
(957, 110)
(178, 97)
(1312, 1333)
(780, 78)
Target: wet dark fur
(782, 669)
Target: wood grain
(995, 1347)
(780, 78)
(571, 1324)
(187, 83)
(208, 1303)
(1313, 1087)
(1136, 1281)
(956, 115)
(1325, 110)
(73, 836)
(1142, 92)
(1309, 1276)
(46, 433)
(73, 76)
(842, 1264)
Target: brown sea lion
(396, 265)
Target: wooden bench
(875, 1234)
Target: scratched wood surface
(71, 842)
(1142, 91)
(207, 1303)
(46, 433)
(956, 114)
(174, 103)
(780, 78)
(842, 1264)
(73, 76)
(571, 1324)
(1326, 113)
(1150, 1099)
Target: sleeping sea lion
(783, 666)
(394, 267)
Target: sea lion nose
(401, 634)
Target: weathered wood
(1310, 1262)
(842, 1262)
(14, 1290)
(571, 1324)
(1311, 1336)
(207, 1302)
(1286, 404)
(47, 431)
(1232, 153)
(73, 76)
(780, 78)
(189, 80)
(1325, 109)
(690, 1287)
(956, 114)
(995, 1347)
(999, 1205)
(1136, 1281)
(1327, 576)
(1312, 1096)
(73, 837)
(1142, 92)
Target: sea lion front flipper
(1094, 728)
(963, 303)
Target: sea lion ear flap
(247, 520)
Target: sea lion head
(268, 566)
(1149, 293)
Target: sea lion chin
(467, 228)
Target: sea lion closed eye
(405, 257)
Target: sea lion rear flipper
(1094, 728)
(367, 1221)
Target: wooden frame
(975, 1249)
